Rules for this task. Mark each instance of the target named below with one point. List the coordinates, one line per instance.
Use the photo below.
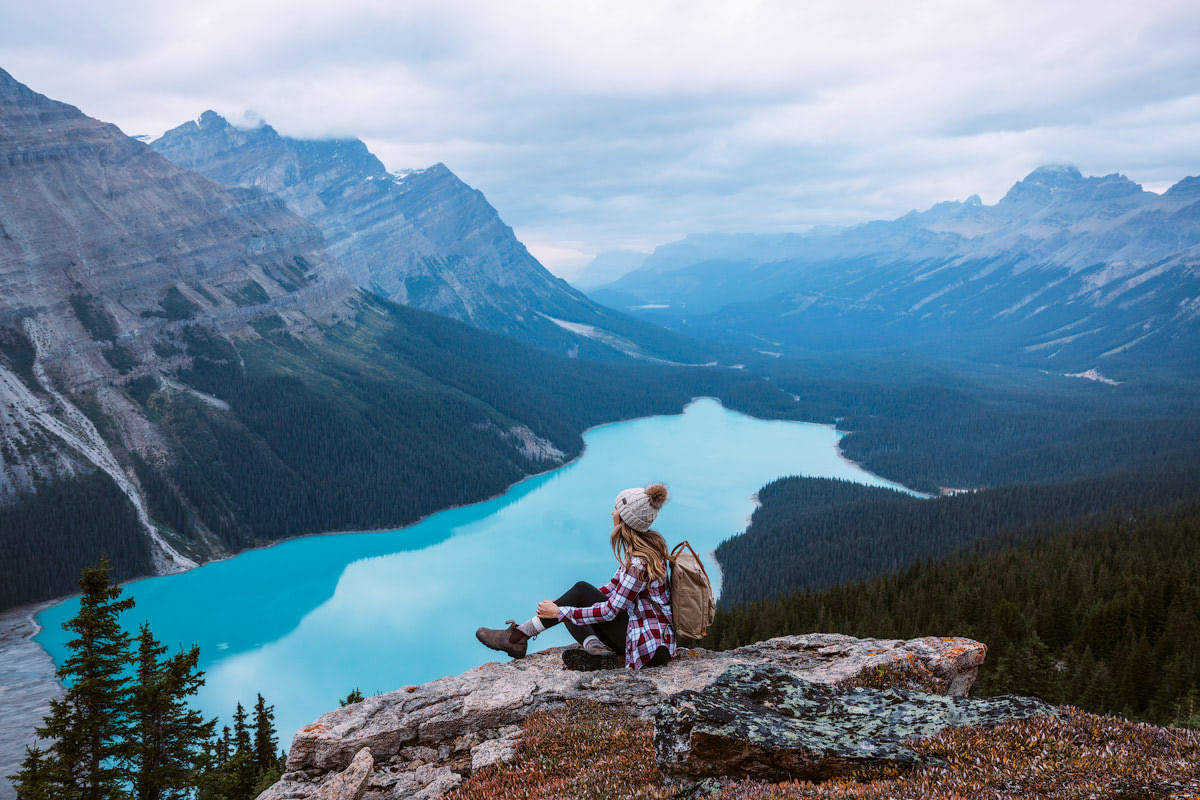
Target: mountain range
(420, 237)
(186, 370)
(1066, 273)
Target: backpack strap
(679, 549)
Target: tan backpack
(693, 605)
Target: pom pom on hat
(656, 493)
(638, 507)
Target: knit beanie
(639, 507)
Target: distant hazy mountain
(608, 266)
(420, 237)
(1064, 272)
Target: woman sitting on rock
(630, 615)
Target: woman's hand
(547, 609)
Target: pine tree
(37, 779)
(224, 747)
(170, 741)
(266, 743)
(243, 767)
(87, 726)
(215, 781)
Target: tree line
(811, 533)
(1103, 614)
(123, 730)
(931, 423)
(387, 418)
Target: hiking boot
(511, 640)
(579, 659)
(593, 645)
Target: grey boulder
(762, 722)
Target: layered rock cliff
(419, 237)
(108, 254)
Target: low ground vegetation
(593, 752)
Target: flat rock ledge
(421, 741)
(762, 722)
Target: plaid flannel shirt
(648, 605)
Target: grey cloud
(623, 125)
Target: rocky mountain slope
(182, 362)
(108, 253)
(419, 237)
(1065, 272)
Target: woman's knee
(581, 594)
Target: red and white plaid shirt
(648, 605)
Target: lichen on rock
(763, 722)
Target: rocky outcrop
(763, 722)
(350, 783)
(426, 737)
(420, 237)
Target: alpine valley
(229, 337)
(1066, 273)
(181, 361)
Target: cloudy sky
(602, 125)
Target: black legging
(612, 633)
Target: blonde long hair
(650, 546)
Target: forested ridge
(386, 418)
(929, 424)
(44, 538)
(399, 413)
(1104, 615)
(813, 533)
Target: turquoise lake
(306, 621)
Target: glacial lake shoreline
(516, 488)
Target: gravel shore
(27, 684)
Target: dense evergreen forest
(1104, 615)
(45, 539)
(930, 424)
(813, 533)
(391, 416)
(399, 413)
